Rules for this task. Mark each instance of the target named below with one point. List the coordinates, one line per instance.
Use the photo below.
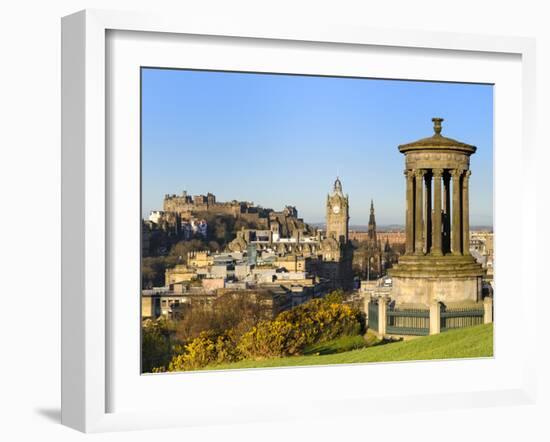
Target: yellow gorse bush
(208, 348)
(272, 339)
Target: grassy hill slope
(469, 342)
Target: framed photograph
(252, 212)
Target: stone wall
(425, 290)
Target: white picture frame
(86, 315)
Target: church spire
(372, 224)
(372, 221)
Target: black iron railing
(414, 322)
(461, 317)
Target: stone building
(178, 273)
(183, 215)
(371, 259)
(338, 214)
(186, 206)
(481, 248)
(437, 264)
(200, 258)
(286, 244)
(395, 238)
(335, 264)
(329, 256)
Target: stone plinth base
(425, 279)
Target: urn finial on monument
(437, 125)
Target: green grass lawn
(472, 342)
(343, 344)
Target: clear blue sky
(280, 140)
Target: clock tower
(337, 214)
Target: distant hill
(482, 228)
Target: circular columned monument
(437, 264)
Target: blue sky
(281, 140)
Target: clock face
(336, 209)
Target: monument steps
(445, 266)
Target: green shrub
(232, 310)
(156, 345)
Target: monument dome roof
(437, 142)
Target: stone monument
(437, 264)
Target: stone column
(488, 310)
(382, 315)
(435, 317)
(447, 211)
(456, 225)
(366, 301)
(419, 213)
(436, 217)
(409, 222)
(466, 213)
(428, 224)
